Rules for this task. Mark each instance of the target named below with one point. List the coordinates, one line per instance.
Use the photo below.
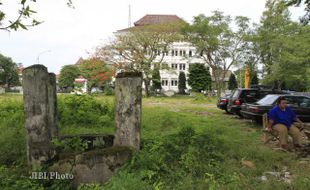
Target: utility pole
(129, 16)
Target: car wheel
(227, 111)
(240, 115)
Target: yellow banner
(246, 77)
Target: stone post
(40, 107)
(128, 96)
(52, 104)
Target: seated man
(281, 118)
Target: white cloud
(69, 33)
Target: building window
(190, 53)
(174, 82)
(164, 82)
(172, 53)
(174, 66)
(184, 53)
(182, 66)
(176, 53)
(166, 53)
(181, 53)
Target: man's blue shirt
(286, 117)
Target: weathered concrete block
(40, 107)
(52, 104)
(96, 166)
(128, 95)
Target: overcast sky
(68, 34)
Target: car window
(292, 101)
(252, 93)
(235, 94)
(268, 100)
(304, 102)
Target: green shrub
(179, 160)
(12, 136)
(128, 181)
(84, 110)
(70, 144)
(108, 90)
(11, 180)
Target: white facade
(82, 85)
(180, 56)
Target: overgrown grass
(187, 143)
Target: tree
(97, 72)
(232, 83)
(68, 74)
(199, 77)
(254, 79)
(218, 44)
(182, 83)
(9, 72)
(142, 49)
(284, 46)
(24, 18)
(156, 80)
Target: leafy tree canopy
(68, 74)
(8, 72)
(199, 77)
(24, 18)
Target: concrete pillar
(40, 106)
(52, 104)
(128, 96)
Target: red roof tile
(157, 19)
(153, 19)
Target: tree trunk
(218, 88)
(146, 85)
(7, 83)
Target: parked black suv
(249, 95)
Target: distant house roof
(80, 79)
(157, 19)
(80, 61)
(154, 19)
(20, 70)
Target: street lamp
(38, 58)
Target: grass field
(187, 143)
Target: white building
(80, 85)
(179, 57)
